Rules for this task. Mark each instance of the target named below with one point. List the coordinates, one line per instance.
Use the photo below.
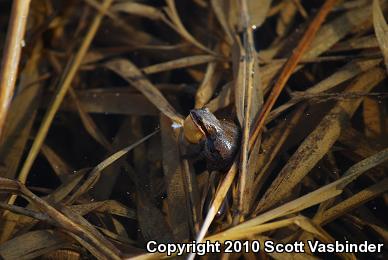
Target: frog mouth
(198, 122)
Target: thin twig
(248, 85)
(11, 55)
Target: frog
(218, 139)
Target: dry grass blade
(19, 124)
(258, 10)
(316, 145)
(326, 37)
(218, 7)
(60, 167)
(67, 187)
(191, 188)
(309, 226)
(142, 37)
(151, 220)
(179, 63)
(365, 42)
(108, 177)
(362, 56)
(249, 99)
(339, 28)
(271, 147)
(180, 28)
(379, 230)
(135, 77)
(138, 9)
(177, 200)
(373, 118)
(353, 202)
(55, 197)
(322, 194)
(11, 56)
(347, 72)
(287, 16)
(89, 124)
(116, 237)
(208, 85)
(239, 234)
(93, 250)
(21, 116)
(112, 101)
(106, 206)
(27, 212)
(33, 244)
(223, 99)
(290, 66)
(89, 229)
(300, 221)
(95, 173)
(363, 147)
(100, 246)
(216, 204)
(381, 30)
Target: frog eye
(191, 131)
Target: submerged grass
(93, 160)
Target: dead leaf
(133, 75)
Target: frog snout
(191, 131)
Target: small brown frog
(218, 139)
